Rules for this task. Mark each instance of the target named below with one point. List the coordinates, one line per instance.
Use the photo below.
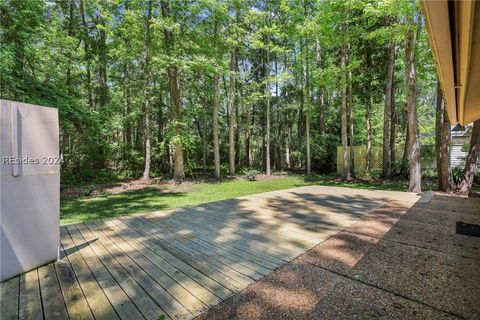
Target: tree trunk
(472, 159)
(87, 55)
(442, 143)
(175, 109)
(248, 138)
(238, 129)
(176, 117)
(215, 110)
(350, 106)
(126, 109)
(346, 163)
(216, 144)
(267, 114)
(170, 159)
(148, 84)
(127, 126)
(368, 113)
(404, 167)
(160, 120)
(387, 114)
(102, 63)
(414, 179)
(320, 98)
(287, 132)
(368, 166)
(393, 134)
(232, 115)
(69, 53)
(307, 111)
(277, 162)
(287, 147)
(204, 138)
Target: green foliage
(457, 174)
(89, 62)
(251, 175)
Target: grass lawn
(189, 194)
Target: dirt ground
(138, 184)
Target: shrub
(252, 175)
(457, 174)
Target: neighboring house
(460, 144)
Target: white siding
(458, 157)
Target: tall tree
(307, 112)
(346, 160)
(232, 114)
(320, 91)
(306, 93)
(87, 54)
(393, 135)
(232, 109)
(442, 143)
(414, 178)
(148, 84)
(175, 103)
(102, 60)
(216, 139)
(267, 111)
(127, 100)
(388, 111)
(350, 109)
(216, 108)
(278, 66)
(368, 107)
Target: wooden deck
(178, 263)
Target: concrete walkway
(395, 263)
(179, 263)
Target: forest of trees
(150, 88)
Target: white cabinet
(29, 188)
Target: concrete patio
(316, 251)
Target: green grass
(150, 199)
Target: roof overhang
(454, 33)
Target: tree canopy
(216, 85)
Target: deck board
(200, 265)
(168, 292)
(227, 266)
(9, 291)
(179, 262)
(145, 304)
(156, 291)
(114, 292)
(97, 301)
(207, 230)
(210, 228)
(30, 302)
(224, 254)
(182, 250)
(225, 233)
(179, 277)
(52, 300)
(149, 247)
(75, 301)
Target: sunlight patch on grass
(151, 199)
